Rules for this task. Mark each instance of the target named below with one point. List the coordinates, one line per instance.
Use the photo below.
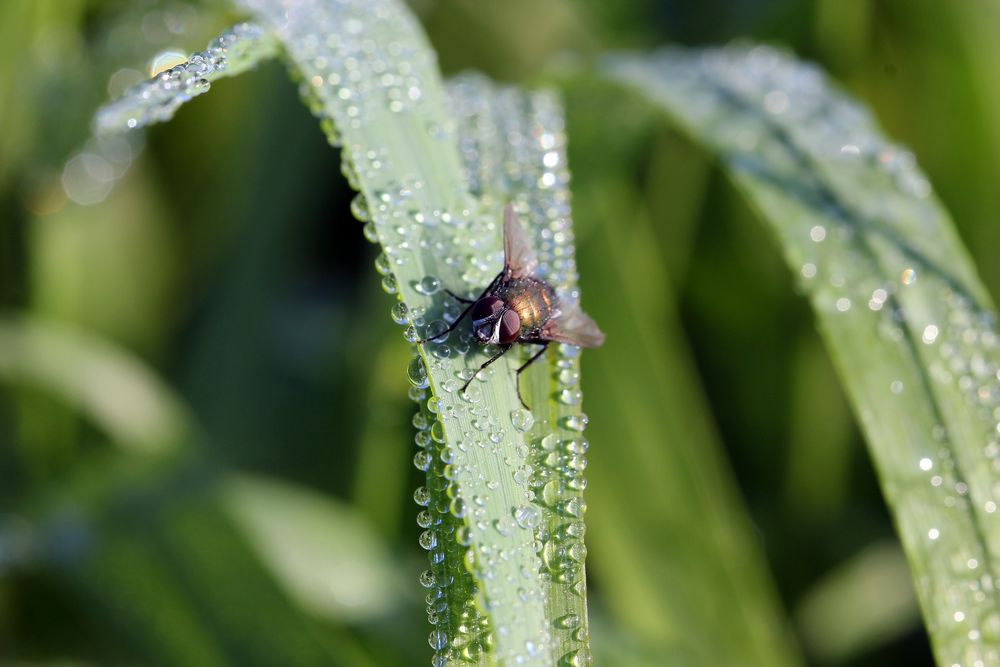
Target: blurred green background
(205, 438)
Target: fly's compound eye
(487, 307)
(510, 327)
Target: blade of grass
(663, 499)
(329, 557)
(103, 382)
(368, 72)
(907, 322)
(512, 144)
(147, 542)
(863, 603)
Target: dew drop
(527, 516)
(568, 622)
(359, 207)
(427, 540)
(427, 579)
(457, 507)
(428, 285)
(416, 372)
(438, 639)
(422, 460)
(575, 422)
(382, 264)
(522, 419)
(389, 284)
(400, 313)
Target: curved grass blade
(106, 384)
(662, 499)
(148, 543)
(367, 71)
(907, 321)
(325, 554)
(154, 101)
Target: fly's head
(493, 323)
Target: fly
(518, 307)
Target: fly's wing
(519, 259)
(575, 327)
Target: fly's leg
(457, 297)
(464, 312)
(503, 351)
(533, 359)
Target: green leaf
(328, 557)
(105, 383)
(366, 69)
(512, 143)
(147, 543)
(503, 498)
(863, 603)
(673, 552)
(909, 325)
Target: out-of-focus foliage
(227, 265)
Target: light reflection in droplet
(164, 60)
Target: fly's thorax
(532, 299)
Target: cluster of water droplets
(875, 252)
(156, 100)
(91, 174)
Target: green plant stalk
(909, 325)
(496, 125)
(367, 71)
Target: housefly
(519, 307)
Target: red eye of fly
(486, 307)
(510, 327)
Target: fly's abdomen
(532, 300)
